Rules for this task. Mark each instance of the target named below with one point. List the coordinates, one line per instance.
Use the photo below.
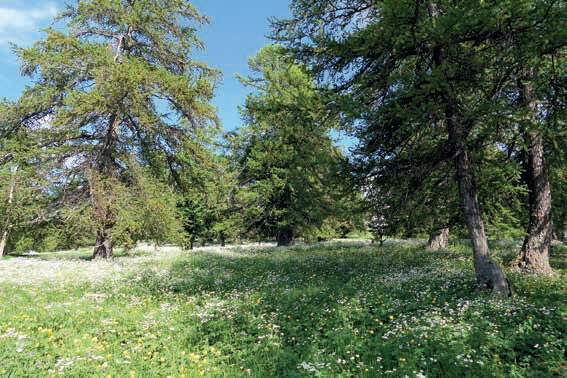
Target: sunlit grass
(337, 309)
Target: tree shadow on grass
(277, 309)
(285, 310)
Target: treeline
(458, 109)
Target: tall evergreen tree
(538, 53)
(285, 157)
(121, 90)
(408, 69)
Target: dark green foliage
(426, 83)
(287, 163)
(206, 198)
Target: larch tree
(409, 198)
(538, 53)
(123, 99)
(428, 64)
(534, 254)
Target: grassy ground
(329, 310)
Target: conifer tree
(287, 164)
(407, 70)
(538, 53)
(120, 90)
(434, 68)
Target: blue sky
(237, 31)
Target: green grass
(337, 309)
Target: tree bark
(102, 193)
(8, 220)
(103, 246)
(286, 236)
(489, 275)
(534, 255)
(3, 241)
(222, 240)
(438, 240)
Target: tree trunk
(438, 240)
(191, 242)
(534, 255)
(3, 241)
(103, 246)
(102, 191)
(222, 240)
(106, 166)
(106, 217)
(489, 275)
(286, 236)
(7, 224)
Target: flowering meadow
(336, 309)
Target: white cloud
(17, 23)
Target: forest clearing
(333, 188)
(335, 309)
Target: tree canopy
(119, 97)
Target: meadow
(337, 309)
